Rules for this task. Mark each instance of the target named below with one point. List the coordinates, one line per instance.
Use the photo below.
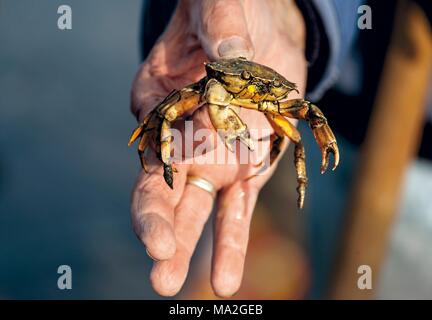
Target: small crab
(232, 83)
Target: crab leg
(283, 127)
(139, 130)
(224, 119)
(142, 132)
(141, 149)
(304, 110)
(173, 107)
(159, 121)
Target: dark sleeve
(338, 24)
(155, 18)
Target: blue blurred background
(65, 169)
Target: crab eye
(246, 75)
(276, 83)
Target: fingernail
(234, 47)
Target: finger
(231, 237)
(223, 30)
(153, 204)
(148, 90)
(167, 277)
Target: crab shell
(239, 73)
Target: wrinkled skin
(169, 222)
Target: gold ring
(202, 184)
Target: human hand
(170, 222)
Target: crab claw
(229, 141)
(327, 143)
(325, 152)
(245, 138)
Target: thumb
(223, 30)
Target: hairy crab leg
(304, 110)
(283, 127)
